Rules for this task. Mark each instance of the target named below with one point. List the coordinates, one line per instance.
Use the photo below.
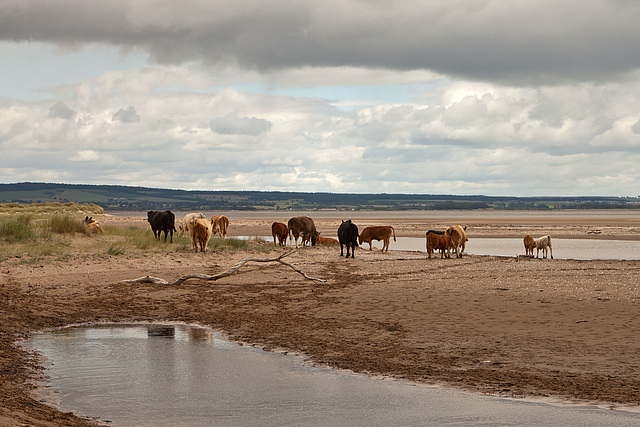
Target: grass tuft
(65, 224)
(17, 229)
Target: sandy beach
(509, 326)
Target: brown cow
(220, 225)
(438, 241)
(326, 240)
(529, 245)
(302, 226)
(92, 225)
(380, 232)
(281, 231)
(201, 231)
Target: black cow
(348, 235)
(302, 226)
(162, 221)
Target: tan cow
(201, 231)
(281, 232)
(529, 245)
(92, 225)
(183, 227)
(441, 242)
(220, 225)
(326, 240)
(380, 232)
(458, 238)
(543, 243)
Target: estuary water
(581, 249)
(179, 375)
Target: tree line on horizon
(114, 198)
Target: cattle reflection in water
(161, 331)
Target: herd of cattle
(201, 229)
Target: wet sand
(512, 326)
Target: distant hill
(115, 197)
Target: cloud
(232, 124)
(61, 111)
(86, 156)
(518, 41)
(126, 115)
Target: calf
(438, 241)
(382, 232)
(281, 231)
(326, 240)
(348, 236)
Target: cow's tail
(549, 240)
(394, 234)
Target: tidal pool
(179, 375)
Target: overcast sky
(518, 98)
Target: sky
(465, 97)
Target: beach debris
(229, 272)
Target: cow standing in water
(162, 221)
(348, 236)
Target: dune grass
(32, 237)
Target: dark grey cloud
(232, 124)
(126, 115)
(516, 41)
(61, 111)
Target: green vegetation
(65, 224)
(41, 237)
(16, 228)
(122, 198)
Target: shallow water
(146, 375)
(582, 249)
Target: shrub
(15, 229)
(66, 224)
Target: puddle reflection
(163, 375)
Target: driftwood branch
(229, 272)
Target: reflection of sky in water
(131, 377)
(582, 249)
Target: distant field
(113, 197)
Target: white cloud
(465, 97)
(86, 156)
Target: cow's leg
(341, 250)
(551, 251)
